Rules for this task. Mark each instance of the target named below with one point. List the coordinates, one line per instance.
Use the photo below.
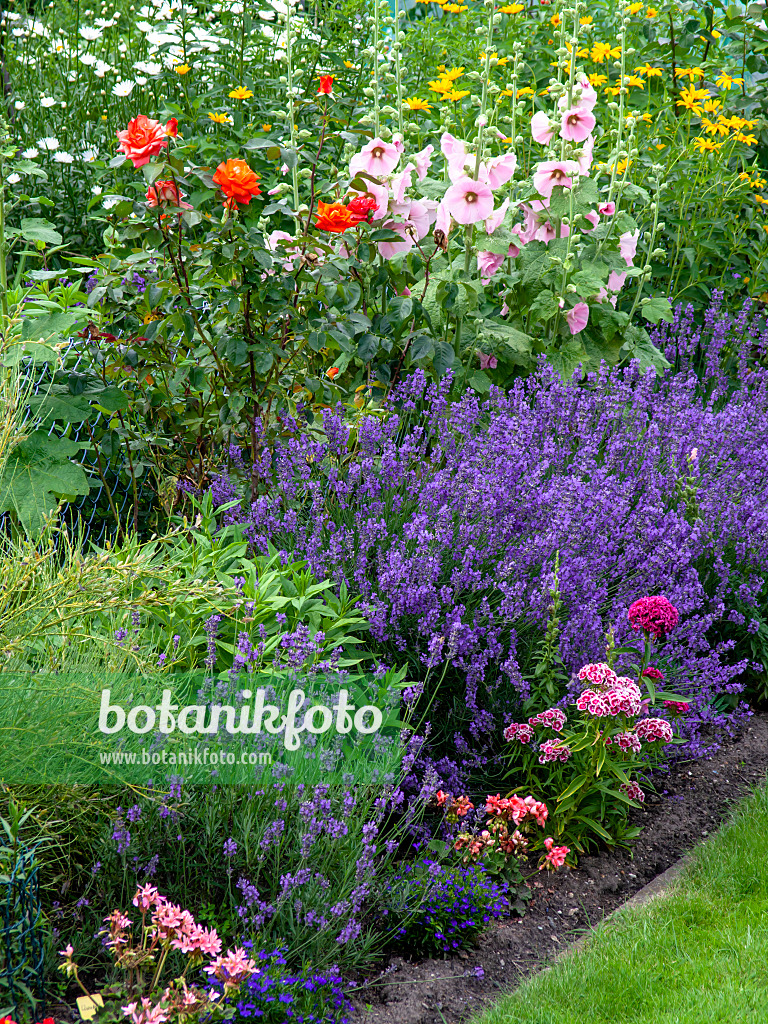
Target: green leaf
(367, 347)
(37, 229)
(567, 358)
(422, 347)
(575, 785)
(66, 408)
(111, 399)
(657, 308)
(642, 348)
(544, 306)
(42, 328)
(516, 346)
(480, 382)
(37, 471)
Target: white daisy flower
(31, 153)
(13, 179)
(101, 69)
(91, 34)
(110, 201)
(63, 157)
(88, 59)
(47, 101)
(19, 104)
(145, 26)
(89, 155)
(148, 67)
(49, 143)
(123, 88)
(140, 80)
(97, 190)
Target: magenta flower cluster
(554, 718)
(654, 615)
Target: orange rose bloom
(333, 372)
(142, 139)
(237, 181)
(335, 217)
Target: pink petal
(577, 317)
(540, 128)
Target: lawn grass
(697, 954)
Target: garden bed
(693, 798)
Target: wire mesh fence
(22, 949)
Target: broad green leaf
(37, 229)
(63, 407)
(544, 306)
(38, 470)
(512, 345)
(657, 308)
(567, 358)
(480, 382)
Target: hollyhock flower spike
(654, 615)
(468, 201)
(377, 158)
(607, 209)
(144, 139)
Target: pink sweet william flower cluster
(553, 751)
(651, 729)
(518, 731)
(554, 718)
(633, 791)
(625, 741)
(678, 707)
(653, 615)
(623, 698)
(600, 675)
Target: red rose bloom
(326, 85)
(145, 138)
(362, 207)
(237, 181)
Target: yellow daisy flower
(707, 145)
(512, 9)
(585, 21)
(649, 71)
(182, 69)
(220, 118)
(597, 80)
(634, 8)
(692, 73)
(414, 103)
(240, 93)
(456, 95)
(725, 81)
(651, 12)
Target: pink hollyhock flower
(551, 173)
(654, 615)
(423, 160)
(546, 232)
(443, 219)
(607, 209)
(498, 170)
(400, 182)
(421, 215)
(487, 362)
(576, 124)
(541, 130)
(588, 97)
(377, 158)
(628, 245)
(497, 217)
(468, 201)
(488, 263)
(455, 152)
(577, 317)
(616, 281)
(594, 219)
(584, 156)
(392, 248)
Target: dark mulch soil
(693, 798)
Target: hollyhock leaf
(566, 359)
(610, 320)
(632, 191)
(641, 347)
(602, 349)
(658, 308)
(385, 235)
(38, 470)
(63, 407)
(499, 242)
(37, 229)
(517, 346)
(589, 281)
(544, 306)
(480, 382)
(534, 261)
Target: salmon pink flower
(551, 173)
(172, 127)
(555, 855)
(377, 158)
(577, 317)
(326, 85)
(576, 124)
(468, 201)
(142, 140)
(541, 130)
(166, 192)
(237, 181)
